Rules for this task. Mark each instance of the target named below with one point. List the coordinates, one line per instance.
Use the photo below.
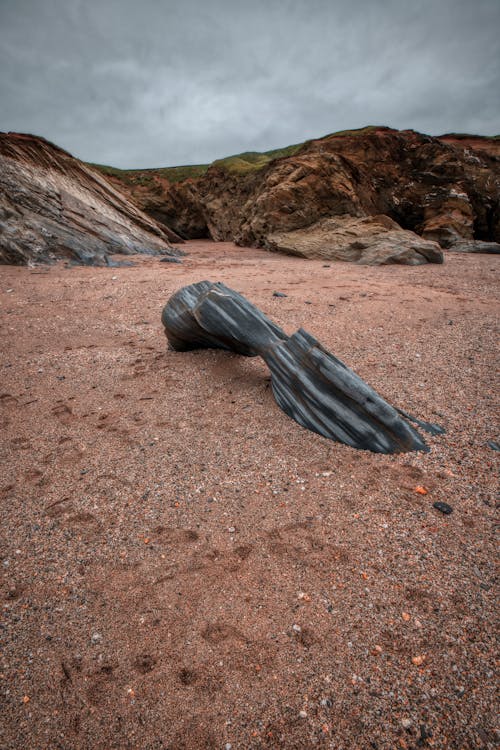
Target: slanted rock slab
(370, 240)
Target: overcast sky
(141, 83)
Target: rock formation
(309, 383)
(54, 206)
(445, 190)
(374, 240)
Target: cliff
(55, 206)
(445, 190)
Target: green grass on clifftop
(248, 161)
(240, 163)
(145, 176)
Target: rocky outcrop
(446, 190)
(476, 246)
(374, 240)
(489, 145)
(309, 383)
(54, 206)
(448, 218)
(178, 210)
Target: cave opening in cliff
(409, 217)
(487, 224)
(195, 229)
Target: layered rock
(309, 383)
(446, 190)
(476, 246)
(374, 240)
(489, 145)
(54, 206)
(177, 210)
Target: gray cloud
(152, 83)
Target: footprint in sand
(33, 475)
(188, 676)
(302, 543)
(59, 507)
(83, 521)
(144, 663)
(101, 685)
(175, 536)
(71, 454)
(217, 632)
(8, 402)
(20, 444)
(63, 413)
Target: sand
(183, 566)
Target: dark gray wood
(309, 383)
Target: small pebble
(443, 507)
(493, 445)
(406, 723)
(279, 294)
(303, 714)
(96, 638)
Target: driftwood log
(309, 383)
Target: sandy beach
(183, 566)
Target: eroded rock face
(472, 143)
(373, 240)
(54, 206)
(449, 219)
(173, 209)
(447, 191)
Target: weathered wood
(309, 383)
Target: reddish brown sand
(186, 567)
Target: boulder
(476, 246)
(373, 240)
(309, 383)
